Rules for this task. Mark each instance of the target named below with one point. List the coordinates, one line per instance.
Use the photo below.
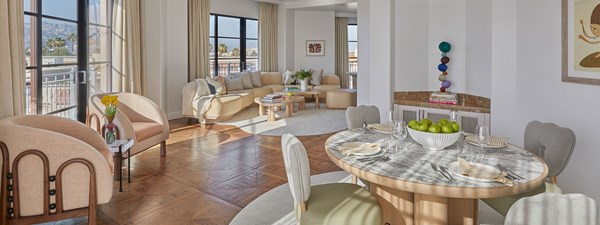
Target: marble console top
(413, 164)
(467, 103)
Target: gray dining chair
(335, 203)
(550, 142)
(553, 209)
(356, 117)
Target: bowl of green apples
(434, 136)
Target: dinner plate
(455, 169)
(375, 148)
(374, 128)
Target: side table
(118, 148)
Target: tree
(72, 37)
(222, 49)
(235, 52)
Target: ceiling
(339, 8)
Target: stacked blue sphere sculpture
(445, 47)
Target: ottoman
(340, 98)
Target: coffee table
(314, 92)
(118, 148)
(288, 102)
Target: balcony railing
(353, 65)
(227, 67)
(58, 93)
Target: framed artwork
(581, 41)
(315, 48)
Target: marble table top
(413, 164)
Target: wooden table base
(406, 208)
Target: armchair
(53, 168)
(137, 118)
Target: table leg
(431, 210)
(289, 109)
(271, 114)
(302, 105)
(397, 206)
(261, 110)
(129, 166)
(120, 169)
(317, 104)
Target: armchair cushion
(145, 130)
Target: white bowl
(433, 141)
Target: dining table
(410, 191)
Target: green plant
(303, 75)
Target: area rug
(276, 206)
(306, 122)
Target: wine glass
(390, 117)
(400, 133)
(455, 117)
(483, 135)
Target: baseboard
(174, 115)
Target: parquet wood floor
(207, 177)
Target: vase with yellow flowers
(110, 102)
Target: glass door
(57, 34)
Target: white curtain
(128, 57)
(267, 37)
(341, 50)
(198, 34)
(12, 59)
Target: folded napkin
(349, 148)
(380, 127)
(492, 141)
(469, 170)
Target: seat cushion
(271, 78)
(341, 203)
(262, 91)
(145, 130)
(275, 87)
(247, 96)
(224, 106)
(503, 204)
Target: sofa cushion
(247, 80)
(145, 130)
(271, 78)
(275, 87)
(220, 80)
(224, 106)
(233, 84)
(246, 95)
(219, 87)
(256, 80)
(330, 80)
(316, 76)
(262, 91)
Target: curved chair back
(552, 143)
(296, 167)
(553, 208)
(358, 116)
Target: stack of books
(270, 98)
(444, 98)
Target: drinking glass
(400, 133)
(483, 135)
(390, 117)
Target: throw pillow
(289, 79)
(247, 80)
(256, 82)
(212, 88)
(316, 77)
(233, 84)
(235, 75)
(218, 84)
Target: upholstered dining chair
(550, 142)
(337, 203)
(553, 209)
(358, 116)
(53, 168)
(137, 118)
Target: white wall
(478, 51)
(241, 8)
(155, 44)
(314, 25)
(412, 44)
(176, 55)
(364, 44)
(526, 85)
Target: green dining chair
(357, 117)
(550, 142)
(335, 203)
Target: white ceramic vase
(304, 85)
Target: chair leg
(163, 148)
(354, 179)
(92, 215)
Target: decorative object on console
(443, 67)
(444, 98)
(315, 48)
(304, 76)
(111, 102)
(580, 61)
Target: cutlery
(435, 168)
(502, 168)
(444, 169)
(376, 158)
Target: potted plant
(304, 76)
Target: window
(233, 44)
(352, 48)
(55, 52)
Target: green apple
(447, 128)
(428, 121)
(422, 126)
(455, 126)
(443, 121)
(434, 129)
(412, 123)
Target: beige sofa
(223, 107)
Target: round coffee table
(288, 102)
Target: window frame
(242, 40)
